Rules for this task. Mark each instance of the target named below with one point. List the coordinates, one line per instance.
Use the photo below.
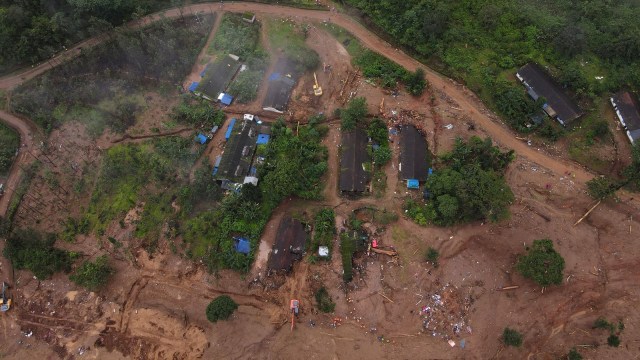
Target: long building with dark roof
(354, 177)
(628, 112)
(236, 160)
(539, 84)
(414, 159)
(288, 246)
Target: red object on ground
(374, 243)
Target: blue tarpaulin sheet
(226, 99)
(274, 76)
(193, 86)
(262, 139)
(201, 139)
(227, 135)
(243, 246)
(413, 184)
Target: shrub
(324, 229)
(416, 83)
(613, 340)
(601, 187)
(511, 337)
(542, 263)
(221, 308)
(28, 249)
(432, 256)
(324, 301)
(93, 275)
(574, 355)
(602, 323)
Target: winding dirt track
(465, 100)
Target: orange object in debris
(295, 308)
(374, 243)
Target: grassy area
(9, 143)
(103, 87)
(289, 37)
(324, 230)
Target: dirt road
(28, 131)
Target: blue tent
(193, 86)
(262, 139)
(243, 245)
(201, 139)
(225, 99)
(413, 184)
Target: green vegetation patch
(347, 249)
(9, 143)
(245, 86)
(30, 250)
(324, 229)
(324, 301)
(102, 86)
(221, 308)
(197, 113)
(511, 337)
(542, 263)
(93, 275)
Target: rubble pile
(445, 313)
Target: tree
(542, 263)
(613, 340)
(432, 256)
(632, 172)
(382, 155)
(93, 275)
(416, 82)
(511, 337)
(354, 113)
(574, 355)
(221, 308)
(601, 187)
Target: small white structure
(248, 117)
(251, 180)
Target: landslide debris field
(109, 166)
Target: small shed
(193, 86)
(262, 139)
(242, 245)
(200, 138)
(225, 99)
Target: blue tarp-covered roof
(201, 139)
(193, 86)
(226, 99)
(413, 184)
(262, 139)
(230, 128)
(243, 246)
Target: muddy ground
(154, 306)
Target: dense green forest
(591, 47)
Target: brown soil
(154, 307)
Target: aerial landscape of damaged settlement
(354, 179)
